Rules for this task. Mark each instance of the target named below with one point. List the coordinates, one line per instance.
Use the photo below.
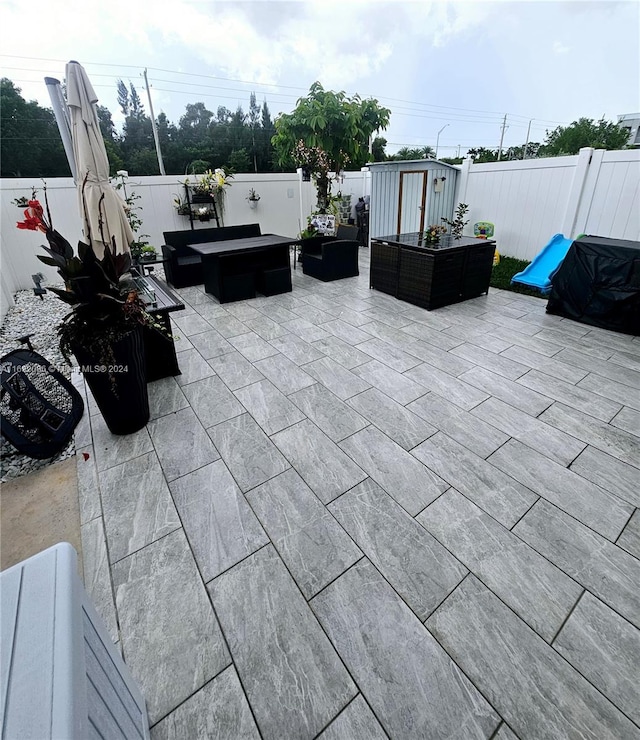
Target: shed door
(411, 201)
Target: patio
(353, 518)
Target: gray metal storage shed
(410, 196)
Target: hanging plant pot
(253, 204)
(120, 391)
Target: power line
(287, 87)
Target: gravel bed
(30, 315)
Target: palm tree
(421, 152)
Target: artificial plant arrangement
(211, 182)
(209, 186)
(253, 197)
(433, 233)
(458, 223)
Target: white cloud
(484, 55)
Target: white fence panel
(18, 248)
(284, 204)
(612, 207)
(529, 201)
(526, 201)
(595, 192)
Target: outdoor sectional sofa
(182, 266)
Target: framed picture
(324, 223)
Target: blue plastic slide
(539, 273)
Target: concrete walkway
(353, 518)
(38, 511)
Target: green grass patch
(503, 272)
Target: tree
(406, 153)
(480, 154)
(265, 159)
(584, 132)
(194, 124)
(129, 100)
(515, 152)
(334, 131)
(254, 125)
(123, 98)
(30, 143)
(239, 161)
(378, 153)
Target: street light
(438, 138)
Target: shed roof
(431, 163)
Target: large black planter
(124, 408)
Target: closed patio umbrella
(101, 208)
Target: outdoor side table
(62, 676)
(160, 349)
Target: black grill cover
(598, 283)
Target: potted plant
(253, 198)
(104, 328)
(209, 185)
(458, 223)
(147, 253)
(209, 188)
(181, 206)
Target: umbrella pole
(61, 112)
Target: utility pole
(153, 126)
(504, 126)
(438, 138)
(526, 143)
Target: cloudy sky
(455, 66)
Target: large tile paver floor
(353, 518)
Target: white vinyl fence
(284, 204)
(594, 192)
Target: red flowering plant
(105, 308)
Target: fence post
(575, 193)
(588, 192)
